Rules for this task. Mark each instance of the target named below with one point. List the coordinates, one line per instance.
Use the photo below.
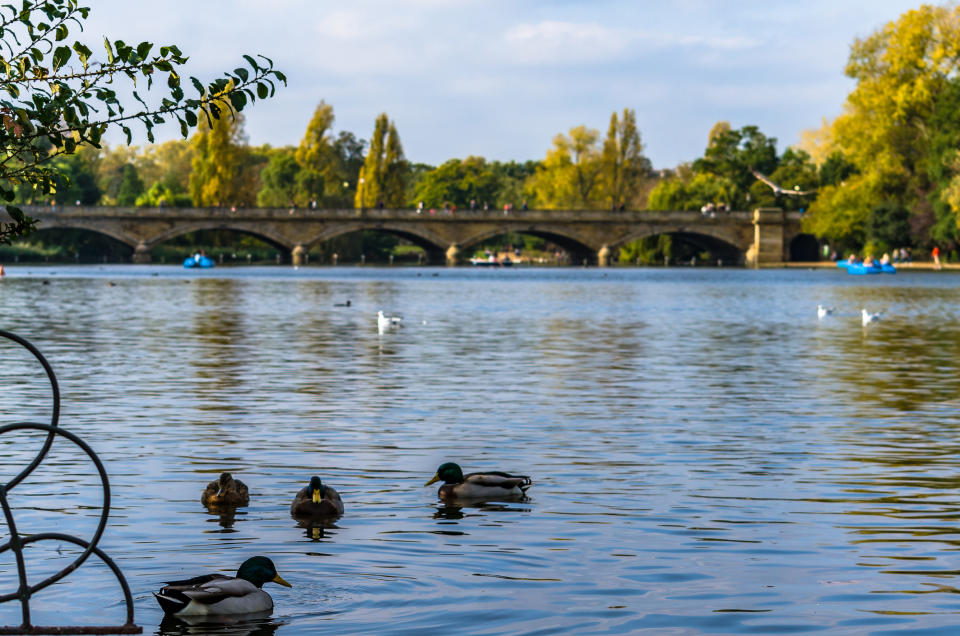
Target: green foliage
(888, 225)
(75, 181)
(279, 180)
(732, 154)
(650, 250)
(161, 195)
(458, 182)
(57, 95)
(689, 190)
(131, 187)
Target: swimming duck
(216, 594)
(317, 500)
(866, 317)
(489, 485)
(226, 491)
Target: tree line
(882, 175)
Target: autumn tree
(383, 177)
(898, 130)
(315, 156)
(623, 166)
(58, 96)
(217, 176)
(570, 175)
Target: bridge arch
(726, 244)
(434, 245)
(84, 244)
(76, 224)
(255, 230)
(579, 250)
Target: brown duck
(226, 491)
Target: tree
(315, 156)
(622, 163)
(131, 186)
(219, 157)
(383, 177)
(279, 179)
(458, 182)
(898, 126)
(570, 173)
(57, 96)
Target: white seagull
(868, 317)
(385, 322)
(823, 312)
(796, 192)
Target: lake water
(708, 457)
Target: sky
(501, 78)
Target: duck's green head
(259, 570)
(316, 487)
(448, 473)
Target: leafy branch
(49, 107)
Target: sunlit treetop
(57, 94)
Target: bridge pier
(603, 257)
(453, 255)
(298, 256)
(141, 254)
(768, 234)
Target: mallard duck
(489, 485)
(317, 500)
(213, 594)
(226, 491)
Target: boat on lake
(491, 262)
(198, 260)
(859, 269)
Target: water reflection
(247, 625)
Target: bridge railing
(607, 216)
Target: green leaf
(237, 99)
(62, 32)
(183, 128)
(198, 85)
(262, 91)
(191, 117)
(241, 73)
(60, 56)
(110, 55)
(143, 49)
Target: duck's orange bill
(435, 478)
(279, 579)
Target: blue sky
(500, 78)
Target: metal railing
(17, 542)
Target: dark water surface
(708, 457)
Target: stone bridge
(766, 235)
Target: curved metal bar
(17, 543)
(57, 536)
(103, 516)
(55, 416)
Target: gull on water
(385, 322)
(823, 312)
(868, 317)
